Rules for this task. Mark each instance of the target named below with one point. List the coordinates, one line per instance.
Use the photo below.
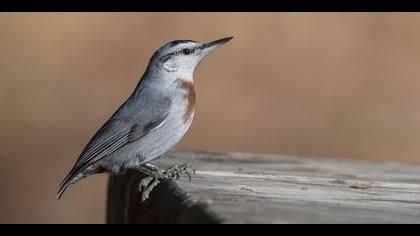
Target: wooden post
(251, 188)
(167, 203)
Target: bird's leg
(176, 171)
(150, 170)
(146, 186)
(148, 183)
(155, 175)
(154, 169)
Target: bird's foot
(177, 171)
(155, 175)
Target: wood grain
(259, 188)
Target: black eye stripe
(169, 55)
(165, 58)
(186, 51)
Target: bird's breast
(188, 98)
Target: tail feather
(61, 191)
(69, 180)
(75, 176)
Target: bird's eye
(186, 51)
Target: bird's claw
(155, 175)
(146, 186)
(177, 171)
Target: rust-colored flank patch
(188, 86)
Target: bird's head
(180, 57)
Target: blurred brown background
(328, 85)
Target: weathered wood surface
(254, 188)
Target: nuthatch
(152, 120)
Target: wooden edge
(167, 203)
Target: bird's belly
(163, 138)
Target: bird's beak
(208, 47)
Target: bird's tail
(61, 191)
(69, 180)
(75, 175)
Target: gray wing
(131, 122)
(112, 136)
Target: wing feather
(102, 143)
(125, 126)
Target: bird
(151, 121)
